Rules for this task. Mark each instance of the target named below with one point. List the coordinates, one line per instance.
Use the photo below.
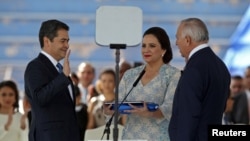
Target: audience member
(81, 112)
(92, 92)
(98, 86)
(241, 107)
(13, 125)
(203, 88)
(74, 78)
(236, 87)
(156, 85)
(107, 84)
(226, 118)
(49, 87)
(124, 66)
(86, 75)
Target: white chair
(97, 133)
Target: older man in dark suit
(49, 87)
(203, 88)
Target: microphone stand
(107, 127)
(115, 130)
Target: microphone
(107, 130)
(139, 78)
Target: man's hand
(66, 66)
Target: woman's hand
(106, 109)
(23, 120)
(9, 121)
(141, 111)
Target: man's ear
(46, 41)
(188, 40)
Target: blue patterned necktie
(60, 67)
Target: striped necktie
(60, 67)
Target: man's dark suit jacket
(200, 97)
(53, 109)
(239, 112)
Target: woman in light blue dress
(157, 85)
(141, 123)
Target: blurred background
(228, 22)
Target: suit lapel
(48, 64)
(54, 72)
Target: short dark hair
(236, 77)
(163, 39)
(49, 29)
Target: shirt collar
(197, 49)
(52, 60)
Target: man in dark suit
(49, 88)
(203, 88)
(241, 108)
